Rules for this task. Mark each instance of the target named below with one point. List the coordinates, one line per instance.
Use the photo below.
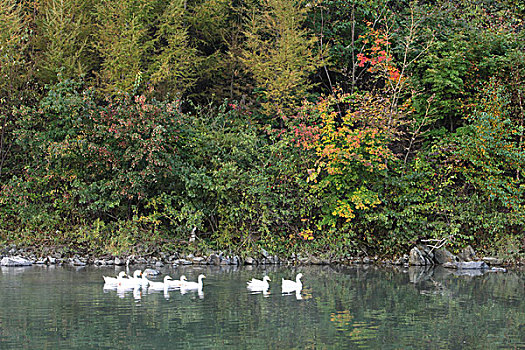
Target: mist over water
(339, 307)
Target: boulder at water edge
(15, 261)
(442, 256)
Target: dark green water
(341, 308)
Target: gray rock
(303, 261)
(15, 261)
(214, 259)
(159, 264)
(427, 252)
(416, 258)
(41, 261)
(52, 260)
(151, 272)
(442, 256)
(199, 260)
(182, 262)
(467, 254)
(140, 261)
(236, 260)
(76, 262)
(225, 261)
(119, 262)
(264, 253)
(249, 261)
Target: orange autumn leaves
(378, 56)
(349, 135)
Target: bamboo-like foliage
(13, 42)
(64, 39)
(122, 42)
(279, 53)
(14, 38)
(173, 68)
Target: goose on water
(129, 283)
(159, 285)
(113, 281)
(177, 283)
(137, 276)
(256, 285)
(292, 286)
(193, 285)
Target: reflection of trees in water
(342, 307)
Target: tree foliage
(279, 54)
(325, 126)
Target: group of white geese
(140, 280)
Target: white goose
(256, 285)
(113, 281)
(128, 283)
(177, 283)
(159, 285)
(193, 285)
(137, 276)
(291, 286)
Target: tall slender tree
(64, 34)
(122, 41)
(173, 67)
(14, 71)
(279, 53)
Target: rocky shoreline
(420, 255)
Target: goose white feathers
(159, 285)
(137, 277)
(193, 285)
(113, 281)
(177, 283)
(129, 283)
(292, 286)
(256, 285)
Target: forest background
(330, 127)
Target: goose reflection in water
(200, 293)
(266, 293)
(136, 291)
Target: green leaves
(279, 54)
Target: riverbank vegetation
(329, 127)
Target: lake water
(338, 308)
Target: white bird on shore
(113, 281)
(292, 286)
(193, 285)
(256, 285)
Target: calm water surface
(339, 308)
